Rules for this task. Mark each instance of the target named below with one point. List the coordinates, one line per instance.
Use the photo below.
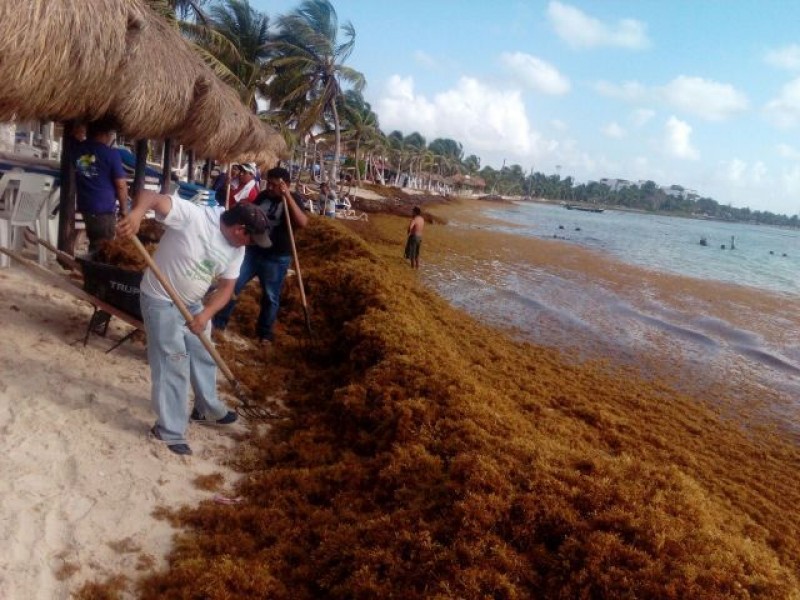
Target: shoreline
(622, 312)
(90, 413)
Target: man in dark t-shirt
(101, 184)
(269, 264)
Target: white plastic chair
(32, 196)
(48, 221)
(6, 194)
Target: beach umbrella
(205, 116)
(233, 120)
(85, 59)
(156, 80)
(59, 58)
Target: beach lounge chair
(151, 175)
(34, 190)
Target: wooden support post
(139, 170)
(167, 169)
(190, 167)
(66, 203)
(207, 172)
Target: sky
(703, 94)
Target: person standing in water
(414, 240)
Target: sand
(80, 476)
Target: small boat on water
(593, 209)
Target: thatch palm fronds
(59, 59)
(85, 59)
(155, 95)
(283, 123)
(308, 65)
(246, 35)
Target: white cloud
(426, 60)
(677, 142)
(613, 130)
(641, 116)
(708, 99)
(580, 30)
(737, 173)
(788, 152)
(559, 125)
(535, 73)
(784, 110)
(630, 91)
(790, 181)
(787, 57)
(483, 118)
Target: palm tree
(218, 51)
(361, 122)
(308, 67)
(416, 146)
(244, 56)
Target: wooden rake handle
(184, 311)
(297, 264)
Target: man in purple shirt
(100, 179)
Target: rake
(246, 408)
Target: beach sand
(81, 479)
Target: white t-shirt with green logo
(192, 253)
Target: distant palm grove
(291, 71)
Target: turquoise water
(669, 244)
(584, 318)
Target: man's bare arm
(122, 195)
(144, 201)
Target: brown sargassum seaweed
(428, 456)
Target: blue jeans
(271, 271)
(177, 359)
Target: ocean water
(584, 318)
(764, 257)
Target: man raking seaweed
(200, 245)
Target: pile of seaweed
(122, 253)
(428, 456)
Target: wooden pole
(139, 170)
(190, 167)
(227, 203)
(167, 168)
(207, 174)
(66, 203)
(180, 162)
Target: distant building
(616, 185)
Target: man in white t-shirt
(201, 245)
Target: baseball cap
(254, 220)
(249, 167)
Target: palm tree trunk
(358, 166)
(338, 141)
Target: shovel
(246, 408)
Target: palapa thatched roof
(468, 180)
(84, 59)
(156, 80)
(59, 58)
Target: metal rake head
(254, 412)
